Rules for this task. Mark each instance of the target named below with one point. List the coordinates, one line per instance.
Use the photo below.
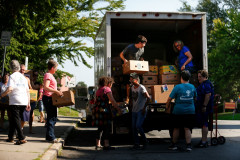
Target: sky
(85, 74)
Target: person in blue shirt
(184, 109)
(204, 105)
(185, 57)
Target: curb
(53, 150)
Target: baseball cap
(134, 75)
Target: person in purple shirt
(185, 57)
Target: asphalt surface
(81, 145)
(37, 147)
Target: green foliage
(66, 111)
(228, 116)
(42, 29)
(82, 84)
(223, 25)
(40, 78)
(186, 7)
(224, 59)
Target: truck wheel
(221, 140)
(214, 141)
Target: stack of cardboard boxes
(160, 82)
(150, 78)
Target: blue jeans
(51, 117)
(40, 105)
(137, 121)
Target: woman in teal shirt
(184, 109)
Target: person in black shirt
(133, 52)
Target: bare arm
(148, 98)
(40, 96)
(28, 108)
(29, 84)
(47, 88)
(112, 100)
(189, 55)
(9, 90)
(123, 58)
(168, 102)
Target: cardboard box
(33, 95)
(148, 88)
(153, 70)
(160, 94)
(167, 69)
(169, 79)
(139, 67)
(150, 80)
(65, 100)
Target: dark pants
(137, 121)
(15, 121)
(51, 117)
(103, 132)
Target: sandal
(98, 147)
(21, 142)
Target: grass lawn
(63, 111)
(228, 116)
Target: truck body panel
(119, 29)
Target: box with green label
(33, 95)
(168, 69)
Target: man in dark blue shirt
(204, 105)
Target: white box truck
(118, 29)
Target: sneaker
(202, 145)
(173, 147)
(108, 148)
(189, 147)
(53, 141)
(136, 147)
